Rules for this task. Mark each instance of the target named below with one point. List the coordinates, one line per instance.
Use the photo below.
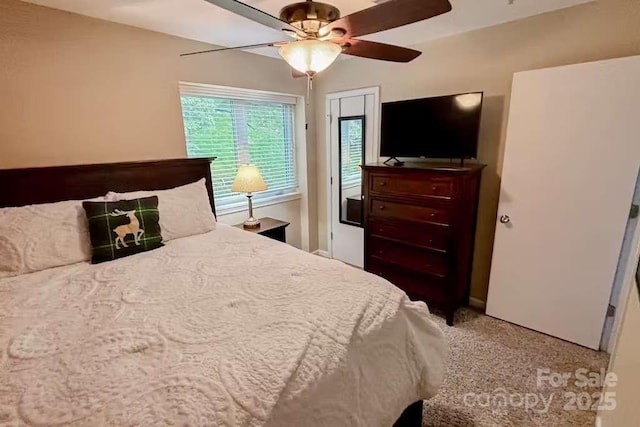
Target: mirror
(351, 157)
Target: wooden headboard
(19, 187)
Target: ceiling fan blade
(375, 50)
(250, 46)
(256, 15)
(391, 14)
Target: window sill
(274, 200)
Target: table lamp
(248, 180)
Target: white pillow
(37, 237)
(184, 211)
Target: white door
(571, 159)
(353, 131)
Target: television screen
(440, 127)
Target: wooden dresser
(420, 222)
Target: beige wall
(81, 90)
(485, 60)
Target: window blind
(240, 126)
(351, 153)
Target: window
(241, 126)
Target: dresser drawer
(412, 185)
(426, 288)
(433, 237)
(385, 209)
(420, 260)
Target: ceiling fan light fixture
(296, 13)
(310, 56)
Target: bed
(222, 328)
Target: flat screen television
(439, 127)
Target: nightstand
(269, 227)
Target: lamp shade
(248, 180)
(310, 56)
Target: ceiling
(202, 21)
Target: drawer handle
(381, 207)
(432, 214)
(382, 183)
(430, 241)
(380, 251)
(434, 188)
(380, 230)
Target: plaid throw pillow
(119, 229)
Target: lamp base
(251, 223)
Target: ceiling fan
(319, 33)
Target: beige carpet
(492, 361)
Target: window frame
(296, 193)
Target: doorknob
(505, 219)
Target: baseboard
(321, 253)
(477, 303)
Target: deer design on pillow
(132, 228)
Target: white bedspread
(224, 328)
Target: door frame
(628, 282)
(373, 90)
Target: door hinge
(633, 213)
(331, 180)
(332, 235)
(306, 126)
(611, 311)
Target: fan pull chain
(309, 87)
